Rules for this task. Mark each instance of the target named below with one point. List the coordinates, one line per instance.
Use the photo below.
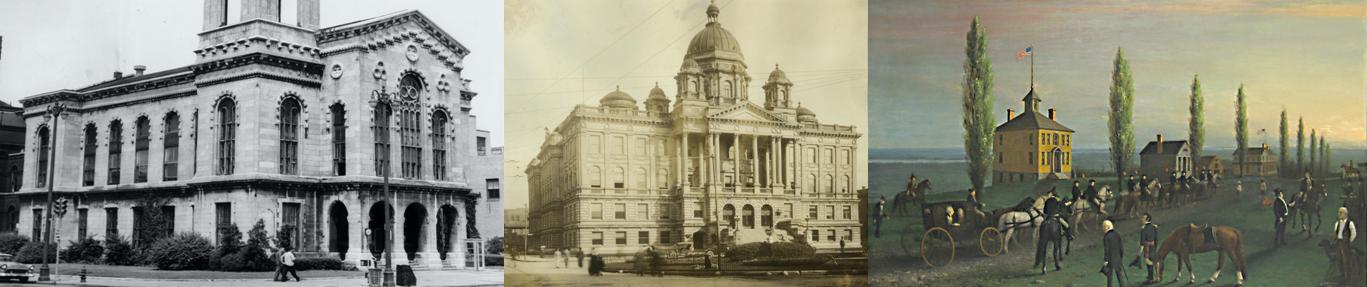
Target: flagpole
(1032, 67)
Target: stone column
(754, 159)
(685, 162)
(430, 256)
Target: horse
(1307, 207)
(1081, 208)
(916, 195)
(1188, 240)
(1050, 233)
(1024, 215)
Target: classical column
(685, 163)
(754, 159)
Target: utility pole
(53, 111)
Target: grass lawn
(149, 272)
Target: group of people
(649, 262)
(596, 263)
(1113, 250)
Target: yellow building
(1031, 146)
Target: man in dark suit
(878, 216)
(1092, 195)
(1077, 191)
(1280, 211)
(1148, 239)
(1112, 254)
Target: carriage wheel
(937, 247)
(990, 241)
(909, 243)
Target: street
(542, 272)
(488, 277)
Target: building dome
(778, 76)
(657, 94)
(713, 38)
(618, 99)
(805, 115)
(690, 66)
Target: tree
(977, 105)
(1198, 117)
(1324, 156)
(1282, 163)
(1121, 122)
(1314, 149)
(1300, 147)
(1241, 127)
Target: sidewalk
(487, 277)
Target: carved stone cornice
(309, 68)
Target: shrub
(185, 251)
(323, 263)
(85, 250)
(776, 250)
(33, 252)
(10, 242)
(229, 244)
(252, 257)
(494, 245)
(117, 251)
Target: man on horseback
(1052, 208)
(911, 185)
(1280, 211)
(1077, 191)
(1092, 197)
(1112, 254)
(1344, 234)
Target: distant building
(515, 229)
(1259, 161)
(1032, 146)
(1160, 158)
(12, 161)
(1212, 163)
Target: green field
(1300, 264)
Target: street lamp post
(382, 100)
(54, 111)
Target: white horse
(1083, 207)
(1010, 221)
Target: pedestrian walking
(287, 264)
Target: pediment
(746, 112)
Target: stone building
(708, 167)
(1159, 159)
(11, 160)
(1031, 146)
(280, 121)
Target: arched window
(830, 184)
(595, 177)
(142, 137)
(748, 216)
(338, 139)
(640, 178)
(88, 157)
(409, 90)
(619, 178)
(227, 136)
(766, 216)
(289, 136)
(170, 148)
(115, 152)
(728, 214)
(44, 145)
(16, 181)
(439, 145)
(662, 178)
(381, 131)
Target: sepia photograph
(677, 143)
(260, 138)
(1167, 142)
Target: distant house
(1212, 163)
(1259, 161)
(1161, 158)
(1032, 146)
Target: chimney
(118, 75)
(1010, 114)
(139, 69)
(1051, 113)
(1160, 144)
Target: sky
(565, 53)
(62, 44)
(1306, 58)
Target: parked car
(10, 270)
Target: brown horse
(1191, 239)
(915, 194)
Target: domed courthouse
(282, 122)
(709, 167)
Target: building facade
(1258, 161)
(1031, 146)
(282, 122)
(709, 167)
(1159, 158)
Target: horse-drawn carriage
(947, 222)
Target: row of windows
(620, 237)
(847, 236)
(1044, 138)
(814, 211)
(619, 211)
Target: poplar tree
(977, 106)
(1241, 128)
(1196, 124)
(1282, 161)
(1121, 121)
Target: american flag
(1020, 55)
